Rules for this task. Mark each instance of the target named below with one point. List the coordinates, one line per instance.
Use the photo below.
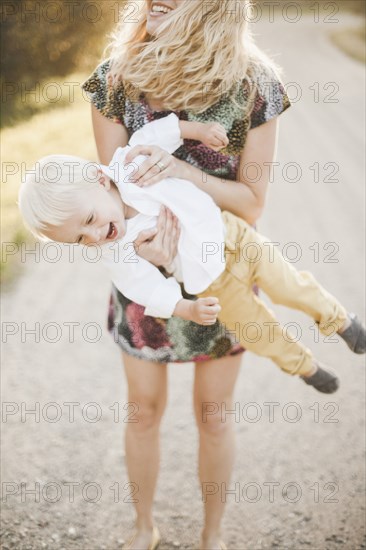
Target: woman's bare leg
(147, 392)
(213, 388)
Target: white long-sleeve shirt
(200, 248)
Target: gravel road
(299, 476)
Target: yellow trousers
(251, 259)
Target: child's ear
(104, 180)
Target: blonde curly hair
(202, 52)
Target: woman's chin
(153, 22)
(151, 26)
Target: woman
(196, 59)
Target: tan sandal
(155, 540)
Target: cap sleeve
(108, 99)
(270, 99)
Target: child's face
(99, 219)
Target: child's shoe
(355, 335)
(323, 380)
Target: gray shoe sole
(355, 335)
(323, 380)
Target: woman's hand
(159, 246)
(158, 166)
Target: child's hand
(205, 311)
(213, 135)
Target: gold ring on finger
(161, 166)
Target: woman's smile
(159, 8)
(158, 12)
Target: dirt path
(299, 476)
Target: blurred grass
(49, 94)
(44, 42)
(354, 6)
(67, 130)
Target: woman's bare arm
(108, 135)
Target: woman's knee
(212, 419)
(146, 414)
(213, 394)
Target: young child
(220, 257)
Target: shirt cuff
(164, 299)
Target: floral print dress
(176, 340)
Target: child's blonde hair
(47, 196)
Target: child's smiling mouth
(112, 233)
